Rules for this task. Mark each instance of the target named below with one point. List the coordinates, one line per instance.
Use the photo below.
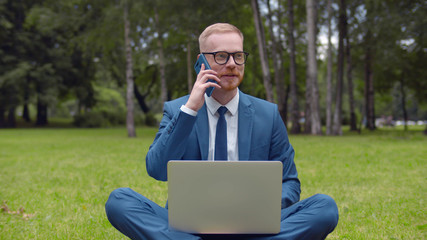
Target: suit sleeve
(170, 141)
(282, 150)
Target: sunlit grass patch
(63, 177)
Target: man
(255, 131)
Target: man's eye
(238, 55)
(222, 55)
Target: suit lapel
(246, 114)
(202, 132)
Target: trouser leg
(310, 219)
(140, 218)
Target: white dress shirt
(231, 116)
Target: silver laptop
(209, 197)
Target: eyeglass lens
(223, 57)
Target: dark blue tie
(221, 136)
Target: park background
(82, 85)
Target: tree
(130, 125)
(277, 55)
(398, 65)
(56, 67)
(164, 87)
(262, 51)
(353, 121)
(189, 68)
(312, 86)
(141, 97)
(296, 128)
(369, 78)
(54, 52)
(13, 69)
(329, 74)
(336, 128)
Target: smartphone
(198, 65)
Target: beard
(231, 80)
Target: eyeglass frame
(246, 54)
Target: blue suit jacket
(261, 136)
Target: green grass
(64, 177)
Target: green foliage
(38, 59)
(63, 177)
(108, 100)
(109, 110)
(53, 51)
(90, 120)
(151, 120)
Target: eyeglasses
(222, 57)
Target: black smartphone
(198, 65)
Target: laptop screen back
(225, 197)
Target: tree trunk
(369, 84)
(26, 111)
(285, 104)
(163, 84)
(262, 51)
(2, 117)
(141, 100)
(295, 115)
(307, 112)
(280, 46)
(278, 66)
(11, 120)
(130, 125)
(254, 78)
(140, 97)
(402, 92)
(369, 46)
(316, 127)
(336, 128)
(189, 68)
(329, 74)
(41, 119)
(353, 121)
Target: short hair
(218, 28)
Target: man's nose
(231, 63)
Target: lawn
(62, 178)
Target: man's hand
(196, 100)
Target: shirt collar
(213, 105)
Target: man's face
(231, 74)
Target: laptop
(225, 197)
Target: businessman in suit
(191, 128)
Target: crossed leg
(140, 218)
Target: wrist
(188, 110)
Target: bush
(150, 120)
(96, 119)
